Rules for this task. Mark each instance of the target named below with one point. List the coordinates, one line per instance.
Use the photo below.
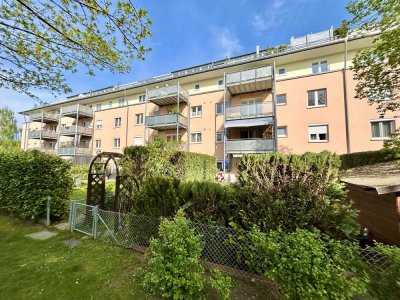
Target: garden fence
(225, 248)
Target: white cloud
(226, 42)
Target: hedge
(29, 178)
(197, 166)
(358, 159)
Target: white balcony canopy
(249, 122)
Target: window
(318, 133)
(219, 108)
(110, 104)
(281, 131)
(138, 141)
(99, 124)
(220, 165)
(195, 137)
(121, 102)
(117, 143)
(196, 111)
(139, 119)
(98, 106)
(142, 98)
(219, 137)
(98, 144)
(317, 98)
(171, 137)
(281, 71)
(117, 122)
(281, 99)
(220, 83)
(197, 87)
(319, 67)
(382, 129)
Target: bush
(29, 178)
(80, 172)
(174, 268)
(308, 265)
(385, 284)
(358, 159)
(294, 191)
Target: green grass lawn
(32, 269)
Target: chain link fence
(225, 248)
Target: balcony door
(250, 108)
(251, 133)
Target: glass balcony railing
(246, 111)
(249, 146)
(167, 95)
(44, 134)
(242, 77)
(73, 110)
(45, 116)
(166, 120)
(72, 130)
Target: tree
(8, 124)
(39, 40)
(377, 69)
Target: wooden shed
(375, 191)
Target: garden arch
(97, 176)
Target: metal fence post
(72, 215)
(95, 211)
(48, 210)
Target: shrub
(174, 269)
(357, 159)
(385, 284)
(196, 167)
(294, 191)
(80, 172)
(29, 178)
(308, 265)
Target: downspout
(144, 121)
(274, 108)
(41, 128)
(25, 133)
(346, 106)
(127, 119)
(224, 108)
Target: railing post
(95, 211)
(48, 210)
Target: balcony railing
(45, 116)
(72, 130)
(167, 95)
(166, 121)
(74, 151)
(44, 134)
(263, 73)
(72, 110)
(249, 146)
(246, 111)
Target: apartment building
(290, 99)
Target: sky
(193, 32)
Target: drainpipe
(144, 121)
(345, 96)
(177, 115)
(41, 128)
(223, 162)
(275, 123)
(127, 119)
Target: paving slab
(41, 235)
(72, 242)
(62, 226)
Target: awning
(249, 122)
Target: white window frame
(316, 98)
(121, 102)
(198, 112)
(98, 106)
(318, 140)
(171, 137)
(221, 83)
(319, 68)
(216, 109)
(138, 137)
(284, 95)
(119, 143)
(216, 137)
(219, 161)
(142, 98)
(284, 72)
(286, 132)
(117, 122)
(98, 144)
(380, 121)
(196, 134)
(140, 118)
(99, 124)
(110, 104)
(197, 87)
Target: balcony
(72, 130)
(45, 117)
(45, 149)
(247, 111)
(71, 151)
(168, 95)
(44, 134)
(77, 110)
(249, 146)
(249, 81)
(164, 122)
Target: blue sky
(192, 32)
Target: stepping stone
(71, 242)
(41, 235)
(62, 226)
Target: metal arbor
(96, 189)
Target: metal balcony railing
(249, 146)
(71, 150)
(246, 111)
(44, 134)
(73, 109)
(45, 116)
(72, 130)
(242, 77)
(165, 120)
(168, 92)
